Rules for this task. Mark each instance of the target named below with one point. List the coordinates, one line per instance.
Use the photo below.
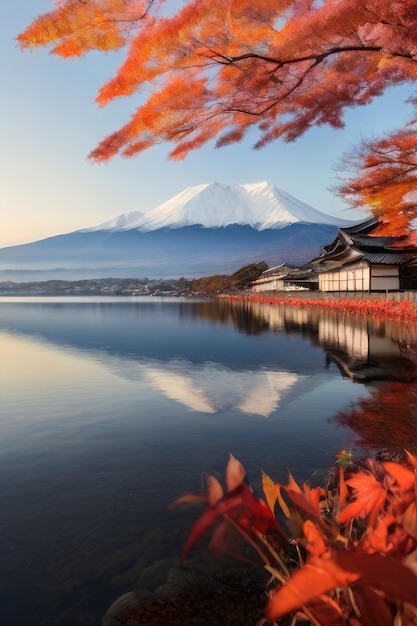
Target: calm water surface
(111, 408)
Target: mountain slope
(249, 224)
(192, 251)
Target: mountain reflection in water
(209, 389)
(113, 408)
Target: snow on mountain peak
(121, 222)
(213, 205)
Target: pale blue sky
(49, 123)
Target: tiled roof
(374, 242)
(356, 242)
(364, 228)
(386, 258)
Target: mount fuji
(204, 230)
(212, 205)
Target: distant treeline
(208, 285)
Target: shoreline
(376, 308)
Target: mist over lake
(113, 407)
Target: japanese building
(360, 261)
(356, 260)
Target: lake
(113, 407)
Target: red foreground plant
(352, 556)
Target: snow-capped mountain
(212, 205)
(204, 230)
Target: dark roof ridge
(362, 228)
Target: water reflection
(387, 419)
(207, 376)
(381, 353)
(112, 409)
(212, 388)
(363, 350)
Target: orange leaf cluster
(356, 537)
(384, 178)
(215, 68)
(237, 506)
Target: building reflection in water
(382, 355)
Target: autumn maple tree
(384, 178)
(213, 69)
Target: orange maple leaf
(369, 498)
(340, 569)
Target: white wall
(268, 284)
(352, 278)
(384, 277)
